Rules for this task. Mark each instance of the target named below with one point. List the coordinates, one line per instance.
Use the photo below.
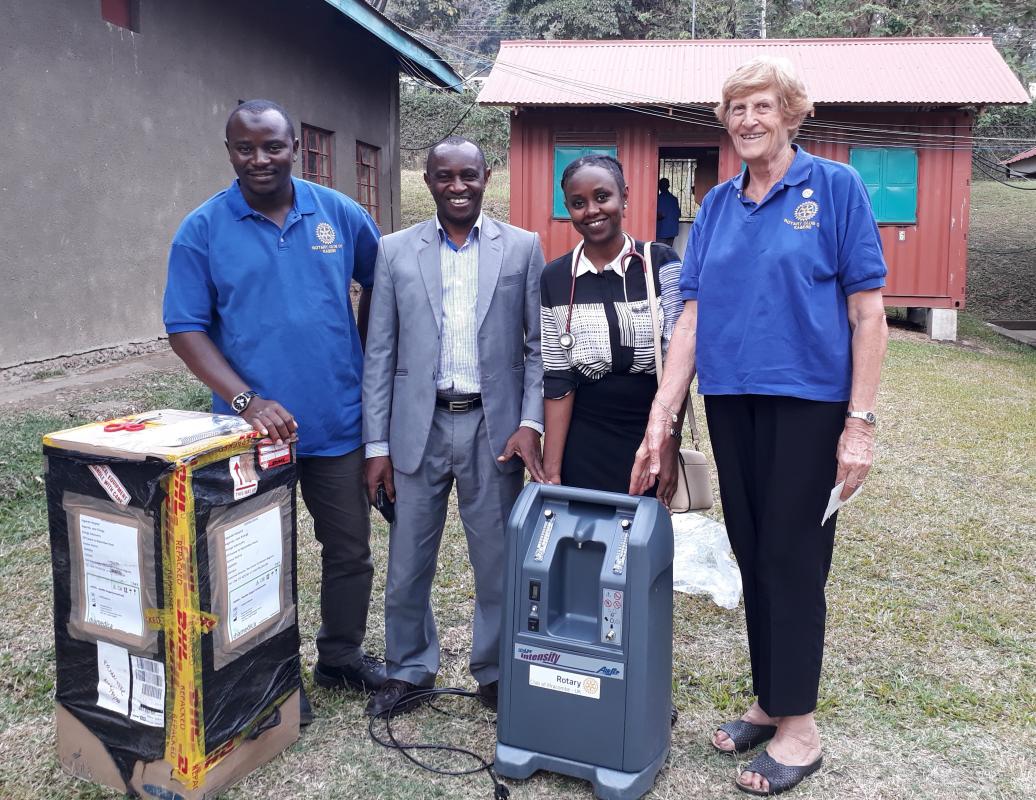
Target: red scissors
(136, 424)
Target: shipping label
(254, 559)
(147, 704)
(111, 563)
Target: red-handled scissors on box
(135, 424)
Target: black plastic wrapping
(232, 697)
(236, 694)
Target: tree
(427, 115)
(1010, 23)
(430, 15)
(609, 19)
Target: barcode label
(154, 692)
(145, 666)
(148, 701)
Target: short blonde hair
(767, 72)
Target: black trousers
(776, 462)
(335, 494)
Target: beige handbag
(693, 484)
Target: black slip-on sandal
(781, 777)
(745, 735)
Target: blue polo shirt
(771, 280)
(276, 303)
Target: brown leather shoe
(392, 699)
(488, 694)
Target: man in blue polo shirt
(257, 305)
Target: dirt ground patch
(76, 383)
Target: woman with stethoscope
(597, 340)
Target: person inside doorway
(667, 226)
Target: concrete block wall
(117, 135)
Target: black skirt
(609, 418)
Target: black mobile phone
(386, 507)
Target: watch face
(240, 403)
(871, 419)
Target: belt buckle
(459, 405)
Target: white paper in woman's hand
(836, 502)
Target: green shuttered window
(890, 175)
(563, 156)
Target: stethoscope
(567, 340)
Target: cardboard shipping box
(83, 755)
(176, 638)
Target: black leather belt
(458, 403)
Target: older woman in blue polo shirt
(784, 322)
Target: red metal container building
(900, 110)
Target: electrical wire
(699, 114)
(444, 136)
(500, 790)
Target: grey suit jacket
(404, 337)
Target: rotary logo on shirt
(805, 213)
(326, 239)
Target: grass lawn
(929, 686)
(1002, 251)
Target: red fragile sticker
(110, 483)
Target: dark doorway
(691, 171)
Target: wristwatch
(866, 416)
(240, 403)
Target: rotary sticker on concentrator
(567, 682)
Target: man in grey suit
(452, 393)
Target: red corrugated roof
(944, 71)
(1020, 157)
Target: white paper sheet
(111, 562)
(147, 703)
(253, 554)
(834, 502)
(113, 677)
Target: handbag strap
(656, 330)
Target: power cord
(500, 791)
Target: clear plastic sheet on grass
(702, 562)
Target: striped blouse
(610, 322)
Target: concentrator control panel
(611, 616)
